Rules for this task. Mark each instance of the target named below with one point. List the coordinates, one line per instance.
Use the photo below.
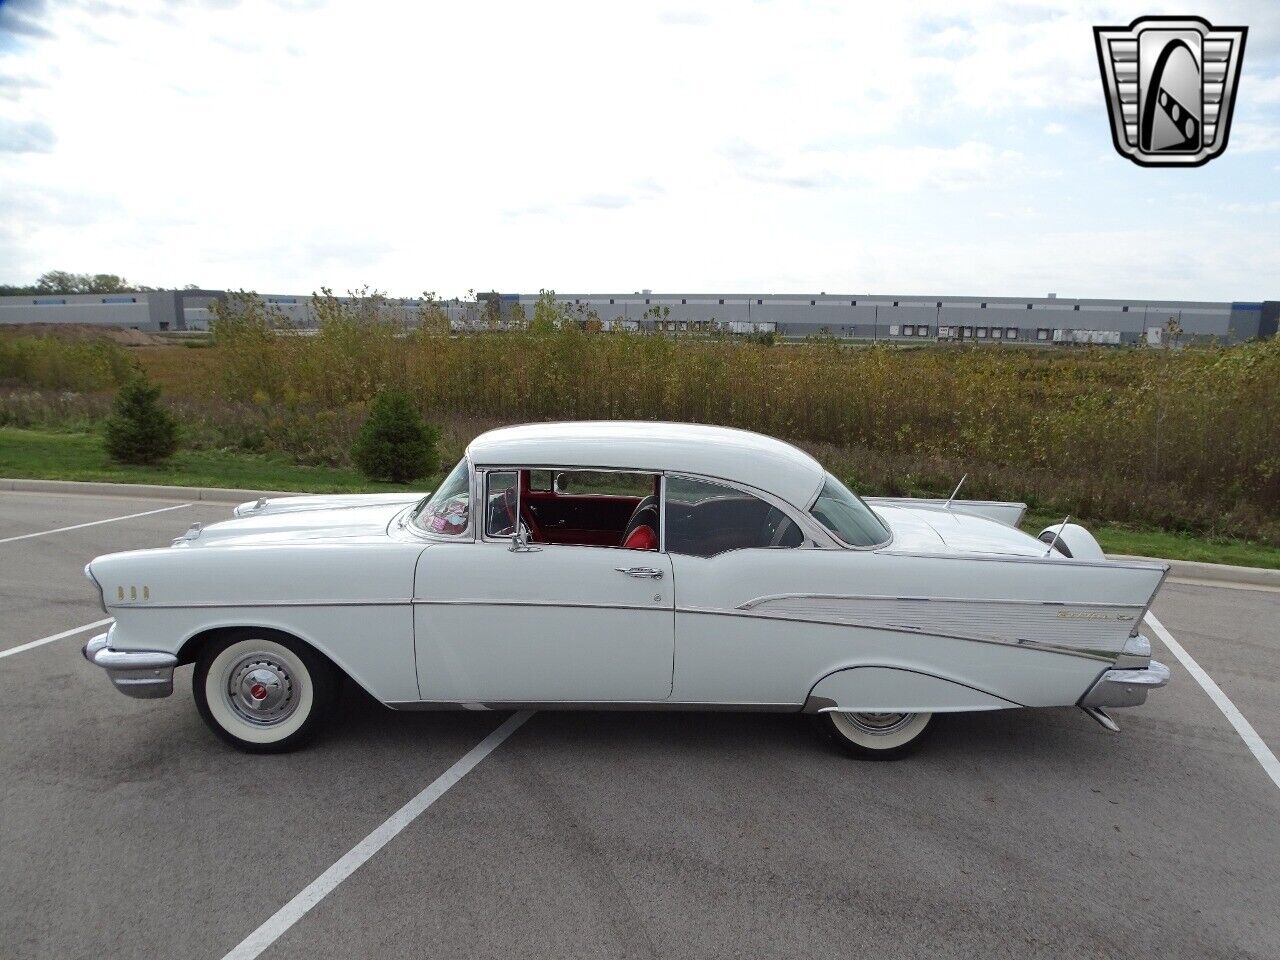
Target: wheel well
(197, 643)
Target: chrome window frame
(831, 533)
(482, 485)
(468, 534)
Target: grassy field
(48, 455)
(37, 454)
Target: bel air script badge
(1170, 84)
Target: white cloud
(572, 144)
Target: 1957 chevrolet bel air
(630, 565)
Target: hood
(265, 505)
(367, 521)
(938, 530)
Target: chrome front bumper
(145, 674)
(1126, 687)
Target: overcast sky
(593, 147)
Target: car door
(547, 622)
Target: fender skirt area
(897, 690)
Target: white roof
(722, 452)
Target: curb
(1213, 572)
(147, 490)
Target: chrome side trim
(1049, 561)
(1103, 656)
(538, 603)
(235, 604)
(1068, 624)
(653, 705)
(1126, 688)
(870, 596)
(144, 674)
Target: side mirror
(558, 483)
(520, 540)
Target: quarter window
(705, 518)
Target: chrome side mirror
(557, 484)
(520, 540)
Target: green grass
(1148, 542)
(43, 455)
(38, 454)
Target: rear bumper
(145, 674)
(1126, 687)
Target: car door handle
(648, 573)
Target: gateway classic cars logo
(1170, 84)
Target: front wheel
(875, 736)
(263, 692)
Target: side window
(704, 519)
(502, 501)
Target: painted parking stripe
(293, 911)
(93, 523)
(1243, 727)
(57, 636)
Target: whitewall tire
(876, 736)
(263, 691)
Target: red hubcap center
(258, 692)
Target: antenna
(947, 505)
(1054, 542)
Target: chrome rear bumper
(145, 674)
(1126, 687)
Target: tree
(395, 444)
(548, 314)
(61, 281)
(139, 430)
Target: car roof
(720, 452)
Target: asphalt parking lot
(128, 830)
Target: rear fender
(897, 690)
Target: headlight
(102, 599)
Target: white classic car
(630, 565)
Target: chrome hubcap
(261, 689)
(878, 724)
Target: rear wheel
(263, 691)
(876, 736)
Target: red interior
(594, 519)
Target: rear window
(845, 515)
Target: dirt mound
(124, 336)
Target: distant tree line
(63, 281)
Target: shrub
(395, 444)
(139, 430)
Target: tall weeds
(1187, 439)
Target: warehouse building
(896, 318)
(1045, 320)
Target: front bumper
(145, 674)
(1126, 687)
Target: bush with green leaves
(395, 444)
(139, 430)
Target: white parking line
(57, 636)
(293, 911)
(92, 523)
(1243, 727)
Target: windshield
(447, 511)
(845, 515)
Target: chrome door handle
(648, 573)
